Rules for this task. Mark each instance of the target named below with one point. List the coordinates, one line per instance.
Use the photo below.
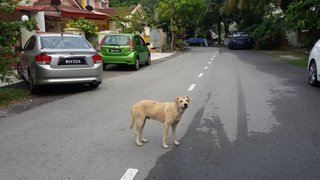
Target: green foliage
(180, 44)
(9, 96)
(269, 34)
(304, 15)
(176, 16)
(123, 3)
(10, 34)
(129, 23)
(87, 26)
(165, 47)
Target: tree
(176, 16)
(304, 15)
(10, 34)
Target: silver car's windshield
(63, 42)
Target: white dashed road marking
(206, 67)
(200, 75)
(129, 175)
(191, 87)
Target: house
(53, 15)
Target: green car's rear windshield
(64, 42)
(116, 40)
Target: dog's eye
(180, 101)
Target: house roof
(121, 10)
(72, 9)
(108, 11)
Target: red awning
(85, 15)
(63, 11)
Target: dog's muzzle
(185, 105)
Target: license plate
(115, 50)
(72, 61)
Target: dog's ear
(189, 98)
(176, 99)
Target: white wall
(39, 17)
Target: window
(116, 40)
(30, 43)
(63, 42)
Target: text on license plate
(115, 50)
(72, 61)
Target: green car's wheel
(148, 61)
(136, 66)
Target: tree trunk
(219, 32)
(172, 41)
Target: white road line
(200, 75)
(206, 67)
(211, 59)
(129, 174)
(191, 87)
(209, 62)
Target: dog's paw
(144, 140)
(165, 146)
(139, 144)
(176, 143)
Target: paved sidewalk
(154, 56)
(158, 55)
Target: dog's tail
(132, 118)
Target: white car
(314, 65)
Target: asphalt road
(251, 117)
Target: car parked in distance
(314, 65)
(55, 58)
(240, 40)
(127, 49)
(196, 41)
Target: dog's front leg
(165, 135)
(174, 134)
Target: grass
(296, 57)
(9, 96)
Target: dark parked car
(196, 41)
(240, 40)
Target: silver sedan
(53, 58)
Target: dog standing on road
(169, 113)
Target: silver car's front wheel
(19, 71)
(312, 74)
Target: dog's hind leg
(144, 140)
(139, 128)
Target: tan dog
(169, 113)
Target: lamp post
(24, 18)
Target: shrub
(179, 44)
(269, 34)
(88, 27)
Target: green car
(128, 49)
